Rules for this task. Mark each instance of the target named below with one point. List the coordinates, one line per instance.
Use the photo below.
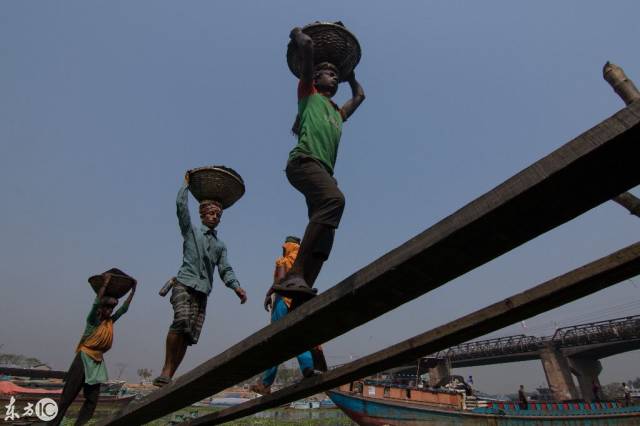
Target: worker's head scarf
(209, 205)
(292, 239)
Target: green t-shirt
(320, 127)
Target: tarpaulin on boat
(10, 388)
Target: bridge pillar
(556, 368)
(439, 373)
(586, 371)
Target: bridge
(576, 349)
(602, 339)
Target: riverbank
(274, 417)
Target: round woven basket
(331, 43)
(119, 285)
(217, 183)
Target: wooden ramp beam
(33, 373)
(602, 273)
(589, 170)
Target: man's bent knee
(337, 201)
(329, 211)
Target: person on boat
(627, 394)
(202, 251)
(280, 306)
(88, 370)
(310, 166)
(595, 388)
(522, 398)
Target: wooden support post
(33, 373)
(580, 175)
(629, 93)
(595, 276)
(621, 84)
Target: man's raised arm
(182, 205)
(305, 52)
(357, 96)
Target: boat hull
(371, 412)
(368, 411)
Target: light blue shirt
(202, 251)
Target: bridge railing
(618, 329)
(492, 347)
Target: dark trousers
(325, 201)
(74, 382)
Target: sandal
(295, 287)
(310, 372)
(161, 381)
(260, 388)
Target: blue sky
(104, 105)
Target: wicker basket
(333, 43)
(217, 183)
(119, 285)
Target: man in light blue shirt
(202, 252)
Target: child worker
(311, 164)
(88, 369)
(280, 306)
(202, 252)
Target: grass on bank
(275, 417)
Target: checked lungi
(189, 309)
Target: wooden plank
(33, 373)
(573, 285)
(580, 175)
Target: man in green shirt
(312, 161)
(88, 370)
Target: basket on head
(218, 183)
(332, 43)
(119, 285)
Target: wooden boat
(305, 405)
(112, 387)
(371, 403)
(229, 398)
